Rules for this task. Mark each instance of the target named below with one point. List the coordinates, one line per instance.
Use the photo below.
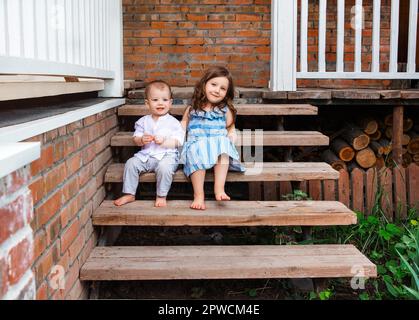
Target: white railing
(357, 23)
(80, 38)
(284, 17)
(283, 45)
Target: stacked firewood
(368, 143)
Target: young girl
(209, 123)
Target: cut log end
(366, 158)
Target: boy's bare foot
(160, 202)
(124, 200)
(198, 203)
(221, 196)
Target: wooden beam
(397, 134)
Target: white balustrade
(357, 23)
(81, 38)
(283, 42)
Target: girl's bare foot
(160, 202)
(124, 200)
(198, 203)
(221, 196)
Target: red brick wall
(67, 186)
(16, 237)
(177, 40)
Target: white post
(115, 87)
(283, 45)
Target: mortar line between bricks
(9, 198)
(23, 233)
(64, 205)
(15, 290)
(69, 156)
(59, 186)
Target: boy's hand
(147, 138)
(159, 139)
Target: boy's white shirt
(166, 126)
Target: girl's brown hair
(199, 99)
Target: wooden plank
(14, 30)
(251, 92)
(397, 134)
(28, 30)
(410, 94)
(376, 22)
(413, 26)
(386, 182)
(329, 190)
(284, 188)
(303, 186)
(309, 94)
(82, 31)
(224, 262)
(363, 94)
(340, 35)
(283, 63)
(413, 185)
(4, 33)
(115, 88)
(182, 92)
(225, 213)
(281, 171)
(394, 35)
(315, 189)
(357, 180)
(400, 198)
(303, 35)
(242, 109)
(252, 138)
(133, 84)
(343, 187)
(358, 35)
(370, 189)
(270, 191)
(322, 36)
(24, 90)
(390, 94)
(255, 190)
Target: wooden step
(225, 213)
(267, 171)
(252, 138)
(242, 109)
(225, 262)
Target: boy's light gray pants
(164, 169)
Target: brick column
(16, 237)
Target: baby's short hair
(159, 84)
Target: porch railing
(284, 43)
(357, 23)
(80, 38)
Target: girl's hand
(159, 139)
(147, 138)
(232, 135)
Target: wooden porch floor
(313, 95)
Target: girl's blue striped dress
(207, 140)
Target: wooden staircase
(230, 262)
